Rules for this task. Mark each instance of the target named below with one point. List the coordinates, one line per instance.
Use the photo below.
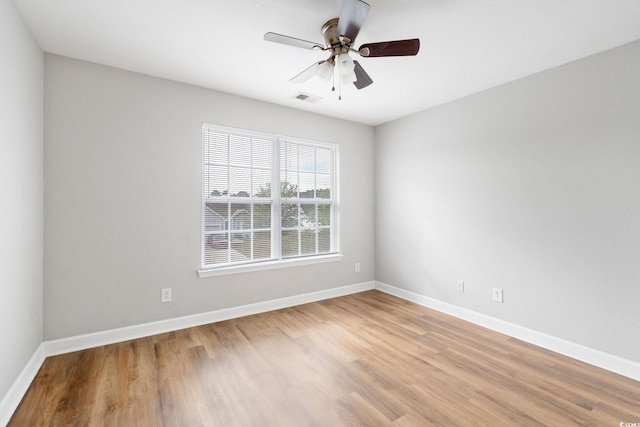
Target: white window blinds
(244, 220)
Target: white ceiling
(466, 45)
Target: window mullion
(298, 204)
(276, 210)
(228, 230)
(228, 190)
(299, 227)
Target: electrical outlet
(497, 295)
(460, 286)
(357, 267)
(166, 295)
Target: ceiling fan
(339, 35)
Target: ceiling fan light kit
(339, 36)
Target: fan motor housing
(330, 33)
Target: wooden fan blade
(351, 18)
(393, 48)
(291, 41)
(307, 74)
(363, 79)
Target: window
(266, 198)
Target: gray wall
(21, 220)
(122, 199)
(532, 187)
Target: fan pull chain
(333, 77)
(339, 82)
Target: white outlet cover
(497, 295)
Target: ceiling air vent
(307, 98)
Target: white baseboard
(82, 342)
(588, 355)
(12, 399)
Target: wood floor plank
(368, 359)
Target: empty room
(320, 213)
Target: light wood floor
(368, 359)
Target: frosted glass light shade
(346, 69)
(325, 71)
(348, 78)
(345, 64)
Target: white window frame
(277, 260)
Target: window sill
(269, 265)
